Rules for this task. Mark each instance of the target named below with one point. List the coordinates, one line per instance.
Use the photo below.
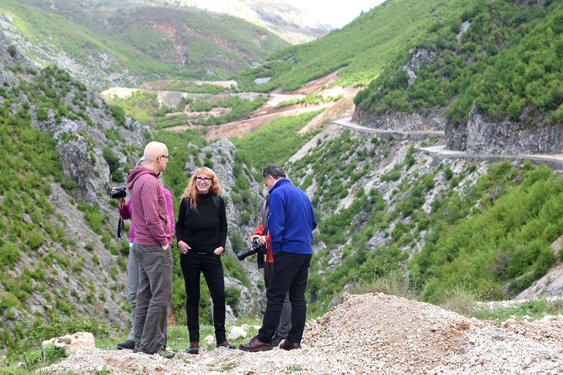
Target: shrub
(9, 255)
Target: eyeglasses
(203, 179)
(167, 157)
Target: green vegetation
(29, 355)
(507, 63)
(141, 106)
(90, 33)
(26, 216)
(491, 240)
(145, 108)
(239, 109)
(463, 302)
(361, 49)
(529, 310)
(30, 226)
(502, 247)
(313, 98)
(187, 86)
(275, 142)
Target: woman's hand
(218, 251)
(184, 247)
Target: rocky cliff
(79, 267)
(481, 135)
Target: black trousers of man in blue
(290, 275)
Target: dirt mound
(368, 334)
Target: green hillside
(361, 49)
(508, 62)
(454, 228)
(134, 43)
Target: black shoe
(276, 340)
(128, 344)
(194, 348)
(225, 344)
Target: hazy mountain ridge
(114, 45)
(283, 19)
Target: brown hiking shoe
(255, 345)
(286, 345)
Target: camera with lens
(253, 249)
(118, 192)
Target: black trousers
(193, 264)
(290, 275)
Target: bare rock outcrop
(242, 210)
(400, 121)
(484, 135)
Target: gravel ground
(366, 334)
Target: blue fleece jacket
(291, 219)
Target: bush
(12, 50)
(9, 255)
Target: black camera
(118, 192)
(253, 249)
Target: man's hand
(184, 247)
(260, 239)
(164, 248)
(218, 251)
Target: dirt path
(441, 152)
(240, 128)
(269, 111)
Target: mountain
(492, 75)
(486, 73)
(359, 51)
(442, 226)
(64, 148)
(106, 44)
(284, 20)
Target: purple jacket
(125, 213)
(149, 212)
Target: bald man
(152, 250)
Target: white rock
(78, 340)
(236, 333)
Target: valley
(428, 136)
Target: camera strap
(120, 227)
(265, 214)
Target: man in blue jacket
(290, 223)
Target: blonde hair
(191, 192)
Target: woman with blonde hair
(201, 232)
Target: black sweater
(204, 229)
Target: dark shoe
(194, 348)
(255, 345)
(276, 340)
(128, 344)
(286, 345)
(225, 344)
(165, 353)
